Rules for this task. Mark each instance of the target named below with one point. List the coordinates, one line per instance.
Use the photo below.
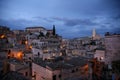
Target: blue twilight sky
(73, 18)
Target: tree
(54, 31)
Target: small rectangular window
(26, 73)
(59, 76)
(54, 77)
(73, 71)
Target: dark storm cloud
(15, 24)
(108, 23)
(116, 30)
(116, 17)
(114, 3)
(23, 23)
(68, 22)
(72, 18)
(113, 6)
(11, 24)
(44, 19)
(75, 22)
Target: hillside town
(37, 53)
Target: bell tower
(94, 33)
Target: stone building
(20, 67)
(100, 54)
(12, 75)
(112, 45)
(59, 70)
(44, 45)
(35, 29)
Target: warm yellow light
(30, 47)
(2, 36)
(45, 51)
(26, 42)
(19, 55)
(86, 66)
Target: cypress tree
(54, 31)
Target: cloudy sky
(73, 18)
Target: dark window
(30, 58)
(73, 71)
(9, 51)
(76, 69)
(59, 76)
(26, 73)
(30, 64)
(38, 53)
(12, 55)
(54, 77)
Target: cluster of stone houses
(41, 54)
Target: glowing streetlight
(30, 47)
(2, 36)
(19, 55)
(26, 42)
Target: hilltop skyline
(75, 18)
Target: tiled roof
(13, 76)
(63, 64)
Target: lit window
(101, 58)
